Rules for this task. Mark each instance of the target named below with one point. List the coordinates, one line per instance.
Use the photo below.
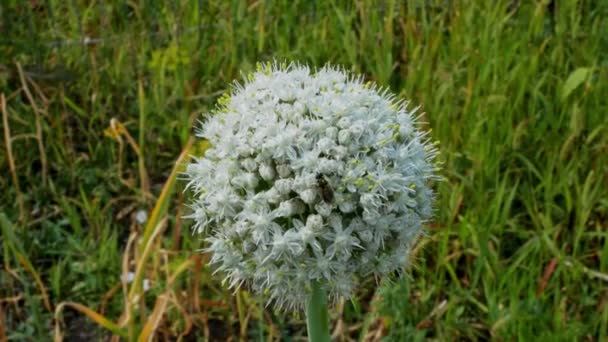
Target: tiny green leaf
(576, 78)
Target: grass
(515, 91)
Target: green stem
(317, 320)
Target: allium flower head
(312, 175)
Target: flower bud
(267, 172)
(308, 196)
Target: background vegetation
(98, 101)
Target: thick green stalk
(317, 320)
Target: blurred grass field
(98, 101)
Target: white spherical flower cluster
(311, 176)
